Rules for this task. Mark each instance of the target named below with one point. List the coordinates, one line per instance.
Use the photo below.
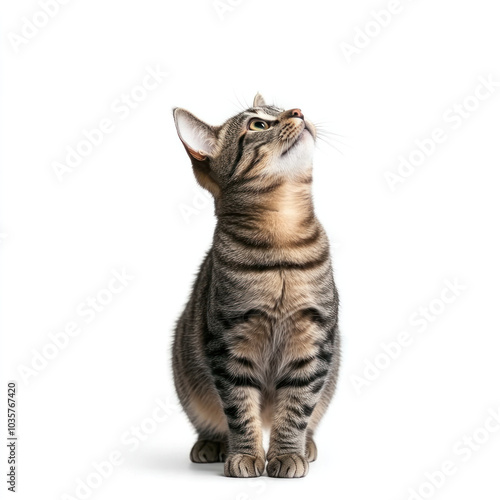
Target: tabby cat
(257, 344)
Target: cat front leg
(291, 446)
(241, 400)
(246, 456)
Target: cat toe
(205, 451)
(311, 450)
(242, 465)
(290, 465)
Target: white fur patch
(298, 158)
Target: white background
(125, 205)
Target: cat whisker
(237, 105)
(323, 139)
(325, 128)
(242, 106)
(327, 132)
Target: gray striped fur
(257, 344)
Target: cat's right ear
(199, 140)
(258, 101)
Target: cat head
(263, 143)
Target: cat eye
(258, 124)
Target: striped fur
(257, 344)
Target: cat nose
(292, 113)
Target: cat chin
(299, 157)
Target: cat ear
(199, 140)
(258, 101)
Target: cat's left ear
(198, 137)
(258, 101)
(199, 140)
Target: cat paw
(311, 450)
(290, 465)
(242, 465)
(204, 452)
